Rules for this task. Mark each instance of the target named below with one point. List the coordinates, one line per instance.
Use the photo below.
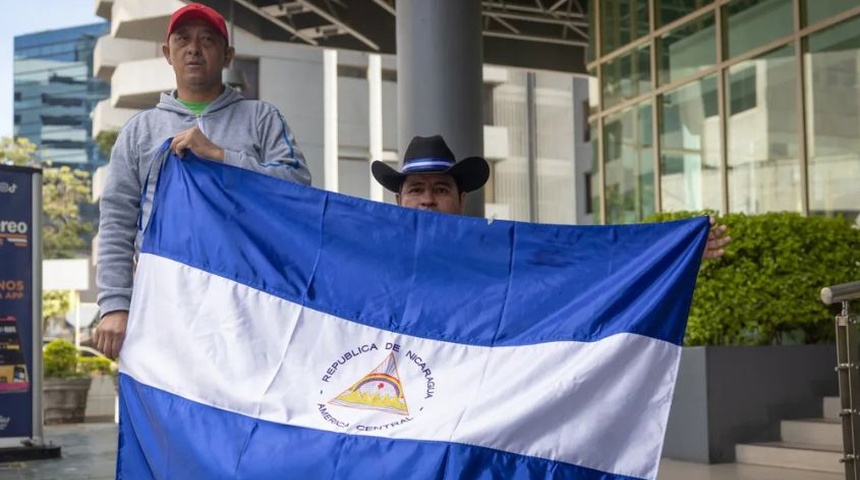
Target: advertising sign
(17, 307)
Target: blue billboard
(18, 229)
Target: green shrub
(95, 366)
(60, 359)
(766, 288)
(105, 141)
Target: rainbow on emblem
(378, 390)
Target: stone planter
(65, 400)
(101, 400)
(730, 395)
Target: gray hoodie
(253, 135)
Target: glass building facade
(745, 106)
(56, 91)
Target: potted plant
(66, 386)
(96, 367)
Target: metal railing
(848, 369)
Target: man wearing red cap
(202, 115)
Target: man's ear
(165, 50)
(462, 203)
(397, 198)
(228, 56)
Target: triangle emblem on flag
(378, 390)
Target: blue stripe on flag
(166, 436)
(511, 283)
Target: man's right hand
(110, 333)
(194, 140)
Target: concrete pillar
(439, 77)
(374, 85)
(330, 140)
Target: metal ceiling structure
(540, 34)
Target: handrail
(841, 293)
(848, 371)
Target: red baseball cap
(198, 11)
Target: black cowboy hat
(432, 155)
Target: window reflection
(763, 160)
(753, 23)
(627, 76)
(629, 165)
(833, 120)
(817, 10)
(670, 10)
(622, 22)
(690, 148)
(687, 49)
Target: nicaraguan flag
(283, 332)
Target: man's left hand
(717, 239)
(194, 140)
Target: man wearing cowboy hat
(431, 179)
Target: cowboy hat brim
(470, 174)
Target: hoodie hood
(229, 96)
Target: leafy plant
(18, 151)
(64, 190)
(61, 359)
(765, 290)
(91, 366)
(55, 303)
(105, 141)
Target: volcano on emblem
(378, 390)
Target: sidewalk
(88, 449)
(89, 452)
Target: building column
(330, 140)
(374, 85)
(531, 139)
(439, 78)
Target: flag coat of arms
(283, 332)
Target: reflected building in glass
(736, 106)
(56, 91)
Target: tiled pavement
(88, 452)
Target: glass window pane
(764, 169)
(670, 10)
(753, 23)
(687, 49)
(690, 148)
(622, 21)
(816, 10)
(626, 76)
(833, 120)
(627, 149)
